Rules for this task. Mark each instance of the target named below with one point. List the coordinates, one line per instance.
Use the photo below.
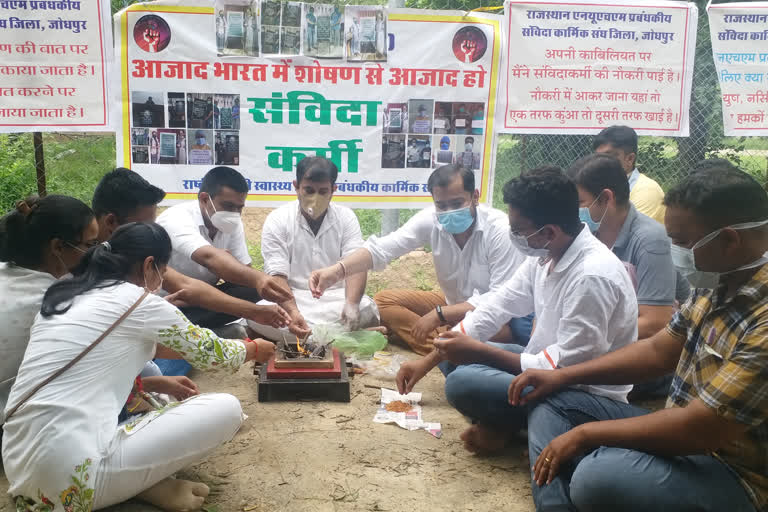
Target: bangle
(440, 315)
(343, 269)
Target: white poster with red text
(576, 68)
(260, 85)
(55, 57)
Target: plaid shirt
(725, 364)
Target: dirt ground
(324, 456)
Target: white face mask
(467, 147)
(159, 286)
(521, 243)
(226, 222)
(684, 259)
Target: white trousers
(181, 436)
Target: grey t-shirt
(643, 243)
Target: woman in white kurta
(40, 241)
(63, 448)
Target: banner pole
(390, 218)
(37, 142)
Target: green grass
(254, 250)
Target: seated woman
(40, 241)
(62, 444)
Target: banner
(576, 68)
(401, 102)
(54, 63)
(740, 50)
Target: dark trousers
(211, 319)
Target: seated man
(632, 236)
(709, 449)
(645, 193)
(209, 244)
(122, 196)
(309, 234)
(581, 294)
(471, 251)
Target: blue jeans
(611, 479)
(521, 328)
(480, 392)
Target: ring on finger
(547, 460)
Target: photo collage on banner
(185, 128)
(422, 133)
(273, 28)
(237, 28)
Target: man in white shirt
(313, 233)
(471, 251)
(209, 244)
(581, 294)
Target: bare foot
(379, 328)
(174, 495)
(482, 440)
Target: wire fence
(75, 162)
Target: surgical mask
(456, 221)
(226, 222)
(201, 141)
(586, 217)
(467, 147)
(315, 205)
(684, 259)
(160, 286)
(73, 246)
(521, 243)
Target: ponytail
(27, 230)
(110, 263)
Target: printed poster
(576, 68)
(386, 124)
(740, 50)
(54, 64)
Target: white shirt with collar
(22, 296)
(291, 249)
(585, 307)
(184, 224)
(486, 262)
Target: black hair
(597, 172)
(720, 194)
(545, 196)
(620, 137)
(122, 192)
(316, 169)
(26, 231)
(223, 177)
(444, 175)
(109, 264)
(713, 163)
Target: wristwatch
(440, 315)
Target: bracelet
(249, 340)
(135, 406)
(343, 269)
(440, 315)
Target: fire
(301, 349)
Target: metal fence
(74, 162)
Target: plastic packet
(383, 365)
(361, 343)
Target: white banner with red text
(55, 57)
(576, 68)
(258, 86)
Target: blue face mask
(456, 221)
(586, 217)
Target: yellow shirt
(648, 197)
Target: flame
(302, 350)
